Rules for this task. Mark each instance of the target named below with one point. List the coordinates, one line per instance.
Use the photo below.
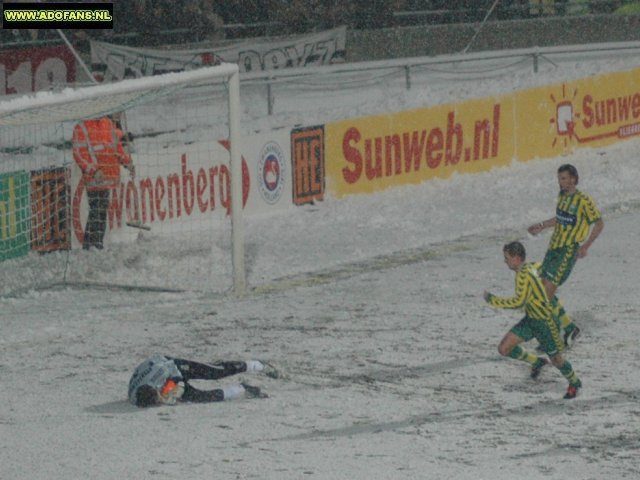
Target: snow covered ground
(372, 306)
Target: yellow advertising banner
(373, 153)
(593, 112)
(369, 154)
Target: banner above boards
(115, 62)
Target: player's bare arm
(598, 226)
(540, 226)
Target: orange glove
(171, 392)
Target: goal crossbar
(10, 109)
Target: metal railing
(478, 63)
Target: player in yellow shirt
(538, 321)
(576, 225)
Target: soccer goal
(171, 225)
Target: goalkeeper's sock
(254, 366)
(233, 391)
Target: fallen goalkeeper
(165, 380)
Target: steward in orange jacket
(98, 151)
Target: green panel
(15, 215)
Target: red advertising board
(50, 225)
(307, 157)
(26, 70)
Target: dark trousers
(200, 371)
(97, 219)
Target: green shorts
(547, 332)
(558, 263)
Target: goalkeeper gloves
(171, 392)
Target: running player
(538, 321)
(576, 213)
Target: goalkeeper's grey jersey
(154, 371)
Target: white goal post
(35, 137)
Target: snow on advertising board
(180, 189)
(188, 187)
(369, 154)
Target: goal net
(169, 226)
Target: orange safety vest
(97, 146)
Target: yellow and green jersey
(530, 294)
(574, 215)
